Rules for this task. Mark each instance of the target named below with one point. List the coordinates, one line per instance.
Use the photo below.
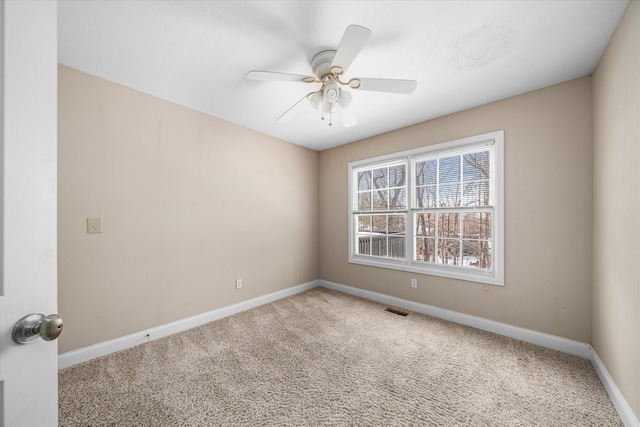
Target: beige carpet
(327, 358)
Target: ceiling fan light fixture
(315, 99)
(331, 91)
(332, 94)
(344, 99)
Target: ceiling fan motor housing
(321, 63)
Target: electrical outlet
(414, 283)
(238, 283)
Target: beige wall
(616, 253)
(548, 193)
(188, 202)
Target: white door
(28, 270)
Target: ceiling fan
(328, 67)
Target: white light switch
(94, 225)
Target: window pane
(449, 251)
(425, 249)
(449, 195)
(364, 223)
(364, 180)
(380, 199)
(398, 198)
(476, 225)
(380, 178)
(396, 247)
(396, 224)
(364, 245)
(426, 197)
(450, 169)
(476, 166)
(476, 253)
(426, 172)
(379, 223)
(425, 224)
(397, 176)
(379, 245)
(381, 188)
(364, 201)
(476, 193)
(449, 225)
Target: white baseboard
(554, 342)
(81, 355)
(619, 402)
(539, 338)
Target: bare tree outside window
(382, 189)
(453, 236)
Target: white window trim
(496, 277)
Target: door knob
(33, 325)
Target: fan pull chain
(322, 110)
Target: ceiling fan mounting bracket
(321, 63)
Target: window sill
(419, 268)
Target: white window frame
(493, 277)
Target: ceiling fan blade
(388, 85)
(353, 40)
(348, 118)
(293, 111)
(276, 76)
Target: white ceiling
(462, 53)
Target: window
(436, 210)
